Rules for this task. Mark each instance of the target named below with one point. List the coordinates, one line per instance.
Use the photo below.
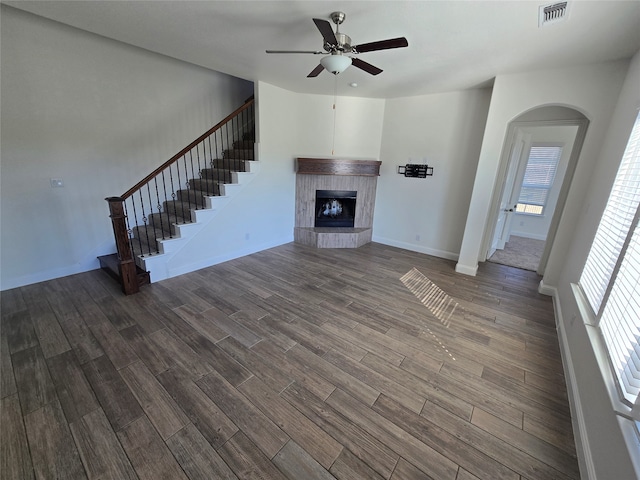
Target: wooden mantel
(338, 166)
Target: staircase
(155, 219)
(214, 181)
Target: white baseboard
(549, 291)
(416, 248)
(467, 269)
(583, 451)
(93, 264)
(89, 263)
(208, 262)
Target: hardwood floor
(292, 363)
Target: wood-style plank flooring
(292, 363)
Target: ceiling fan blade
(316, 71)
(326, 31)
(314, 52)
(382, 45)
(367, 67)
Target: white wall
(445, 131)
(100, 115)
(262, 214)
(290, 125)
(537, 226)
(590, 89)
(607, 455)
(358, 125)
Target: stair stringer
(157, 264)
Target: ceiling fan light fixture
(335, 63)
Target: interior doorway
(521, 233)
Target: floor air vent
(553, 13)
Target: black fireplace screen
(335, 208)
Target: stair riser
(214, 175)
(246, 154)
(207, 187)
(155, 229)
(178, 209)
(243, 145)
(145, 239)
(165, 222)
(194, 197)
(235, 165)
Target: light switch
(57, 183)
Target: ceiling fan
(338, 44)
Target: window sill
(525, 214)
(628, 426)
(600, 351)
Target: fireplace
(335, 208)
(326, 191)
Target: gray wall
(100, 115)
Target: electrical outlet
(417, 238)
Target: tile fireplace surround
(335, 174)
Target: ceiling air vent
(552, 13)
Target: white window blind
(620, 321)
(611, 276)
(614, 225)
(539, 175)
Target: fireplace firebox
(335, 208)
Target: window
(611, 276)
(538, 178)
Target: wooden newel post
(127, 264)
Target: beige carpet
(520, 252)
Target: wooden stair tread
(110, 264)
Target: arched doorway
(545, 120)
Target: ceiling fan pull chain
(335, 101)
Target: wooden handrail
(182, 152)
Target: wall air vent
(552, 13)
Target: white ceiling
(452, 44)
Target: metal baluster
(245, 153)
(210, 160)
(234, 125)
(144, 220)
(153, 225)
(166, 211)
(244, 147)
(155, 180)
(135, 215)
(193, 176)
(200, 174)
(227, 132)
(173, 194)
(213, 164)
(129, 231)
(203, 181)
(226, 159)
(186, 173)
